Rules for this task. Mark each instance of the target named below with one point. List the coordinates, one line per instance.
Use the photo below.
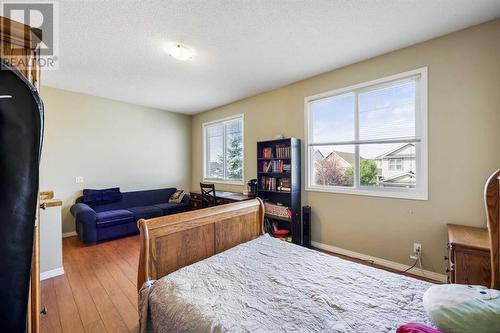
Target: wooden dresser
(469, 260)
(223, 197)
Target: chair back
(208, 197)
(492, 205)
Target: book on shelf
(275, 184)
(280, 151)
(276, 166)
(267, 152)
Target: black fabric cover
(21, 129)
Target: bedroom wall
(464, 138)
(110, 143)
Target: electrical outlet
(417, 247)
(78, 179)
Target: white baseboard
(69, 234)
(382, 262)
(52, 273)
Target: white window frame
(395, 160)
(204, 134)
(420, 192)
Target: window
(223, 150)
(370, 139)
(395, 164)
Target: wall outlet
(417, 247)
(417, 251)
(78, 179)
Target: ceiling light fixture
(180, 51)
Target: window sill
(371, 193)
(220, 181)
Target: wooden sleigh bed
(335, 295)
(174, 241)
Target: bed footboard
(172, 242)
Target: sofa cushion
(113, 217)
(172, 208)
(146, 212)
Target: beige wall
(110, 143)
(464, 141)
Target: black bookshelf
(278, 181)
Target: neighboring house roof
(392, 153)
(318, 156)
(349, 158)
(403, 177)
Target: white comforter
(267, 285)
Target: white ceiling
(114, 48)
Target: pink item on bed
(416, 328)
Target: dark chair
(208, 197)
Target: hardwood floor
(98, 291)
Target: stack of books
(283, 151)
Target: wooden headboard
(492, 203)
(174, 241)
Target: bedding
(267, 285)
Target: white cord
(419, 258)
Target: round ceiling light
(180, 51)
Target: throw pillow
(463, 309)
(91, 196)
(177, 197)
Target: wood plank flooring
(98, 291)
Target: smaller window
(396, 164)
(223, 150)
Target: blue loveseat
(100, 221)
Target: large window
(223, 150)
(371, 138)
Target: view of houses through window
(366, 137)
(394, 168)
(223, 155)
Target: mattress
(268, 285)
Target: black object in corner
(306, 226)
(21, 130)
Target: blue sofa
(96, 222)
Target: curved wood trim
(492, 205)
(18, 34)
(174, 241)
(143, 270)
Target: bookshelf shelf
(278, 166)
(270, 191)
(284, 219)
(273, 159)
(277, 174)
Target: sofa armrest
(83, 213)
(85, 222)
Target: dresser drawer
(470, 266)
